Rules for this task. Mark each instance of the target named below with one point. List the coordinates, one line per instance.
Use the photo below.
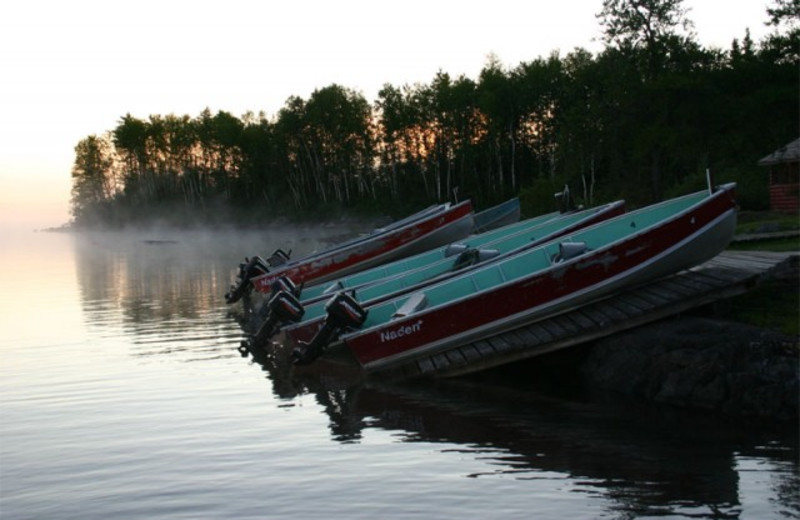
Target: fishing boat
(498, 216)
(559, 275)
(446, 262)
(429, 228)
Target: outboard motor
(344, 312)
(278, 258)
(282, 283)
(283, 308)
(251, 267)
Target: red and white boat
(566, 273)
(427, 229)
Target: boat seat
(470, 257)
(567, 250)
(415, 303)
(487, 254)
(334, 287)
(455, 249)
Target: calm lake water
(124, 396)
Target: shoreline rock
(702, 364)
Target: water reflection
(166, 297)
(645, 460)
(164, 289)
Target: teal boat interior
(417, 261)
(536, 259)
(501, 245)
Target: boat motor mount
(250, 268)
(282, 283)
(278, 258)
(344, 312)
(283, 308)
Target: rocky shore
(701, 363)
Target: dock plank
(542, 333)
(484, 348)
(696, 283)
(470, 353)
(725, 275)
(425, 366)
(440, 361)
(568, 323)
(515, 339)
(586, 322)
(634, 300)
(624, 307)
(600, 318)
(501, 343)
(455, 358)
(553, 328)
(526, 336)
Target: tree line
(641, 120)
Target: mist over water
(124, 396)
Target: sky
(73, 68)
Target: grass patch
(750, 222)
(779, 245)
(756, 222)
(773, 305)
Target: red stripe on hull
(337, 262)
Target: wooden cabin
(784, 177)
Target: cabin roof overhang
(786, 154)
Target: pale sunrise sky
(72, 68)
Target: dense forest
(641, 120)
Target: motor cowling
(282, 308)
(282, 283)
(285, 308)
(344, 312)
(279, 257)
(252, 267)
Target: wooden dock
(729, 274)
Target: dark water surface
(123, 396)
